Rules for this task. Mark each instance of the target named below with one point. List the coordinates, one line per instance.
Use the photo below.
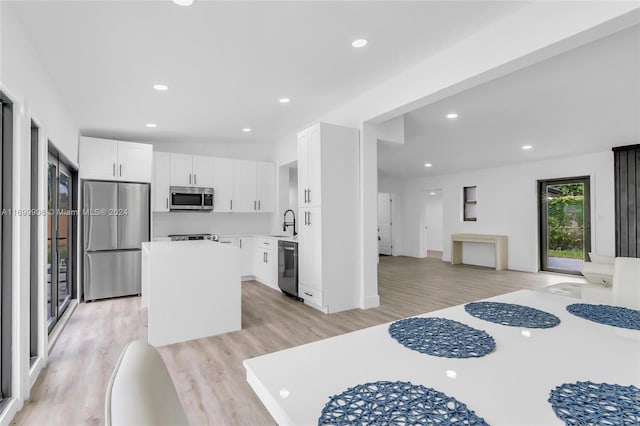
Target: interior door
(384, 224)
(565, 224)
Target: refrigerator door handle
(88, 218)
(87, 276)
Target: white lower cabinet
(310, 294)
(246, 256)
(265, 263)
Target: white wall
(24, 79)
(507, 205)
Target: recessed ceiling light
(451, 374)
(525, 147)
(183, 2)
(151, 125)
(161, 87)
(452, 115)
(427, 164)
(284, 100)
(246, 130)
(432, 193)
(359, 43)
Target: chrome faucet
(286, 224)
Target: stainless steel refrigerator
(115, 223)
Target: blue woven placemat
(396, 403)
(588, 403)
(442, 337)
(616, 316)
(512, 315)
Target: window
(35, 252)
(61, 225)
(470, 202)
(6, 224)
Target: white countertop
(271, 236)
(509, 386)
(162, 246)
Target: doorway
(433, 224)
(385, 246)
(565, 224)
(61, 224)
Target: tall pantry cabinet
(328, 207)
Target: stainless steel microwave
(191, 198)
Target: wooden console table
(500, 241)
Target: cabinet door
(161, 181)
(135, 162)
(314, 222)
(202, 171)
(244, 186)
(247, 253)
(305, 250)
(181, 166)
(303, 167)
(315, 167)
(266, 187)
(98, 159)
(310, 248)
(222, 185)
(259, 264)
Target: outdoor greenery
(565, 218)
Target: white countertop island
(192, 290)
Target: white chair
(140, 391)
(600, 270)
(626, 282)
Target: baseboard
(370, 302)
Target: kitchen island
(191, 289)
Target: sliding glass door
(60, 232)
(565, 231)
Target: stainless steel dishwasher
(288, 268)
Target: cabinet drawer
(310, 294)
(266, 243)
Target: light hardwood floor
(208, 373)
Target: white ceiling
(228, 63)
(585, 100)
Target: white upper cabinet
(181, 169)
(266, 187)
(105, 159)
(202, 171)
(161, 181)
(191, 170)
(309, 167)
(222, 185)
(254, 186)
(244, 186)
